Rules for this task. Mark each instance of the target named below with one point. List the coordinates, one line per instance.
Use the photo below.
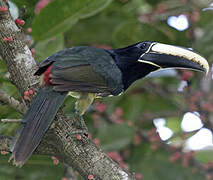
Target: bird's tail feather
(34, 123)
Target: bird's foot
(80, 125)
(28, 94)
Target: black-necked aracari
(88, 72)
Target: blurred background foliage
(125, 126)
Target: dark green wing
(85, 69)
(79, 78)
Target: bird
(87, 73)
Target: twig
(10, 101)
(10, 120)
(163, 114)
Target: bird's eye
(142, 45)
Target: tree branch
(10, 101)
(82, 154)
(10, 120)
(44, 149)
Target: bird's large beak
(168, 56)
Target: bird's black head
(127, 60)
(138, 60)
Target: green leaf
(115, 137)
(134, 31)
(27, 3)
(31, 170)
(109, 18)
(155, 165)
(174, 124)
(204, 156)
(179, 38)
(204, 43)
(45, 48)
(59, 16)
(154, 2)
(95, 33)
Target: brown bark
(82, 155)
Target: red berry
(207, 106)
(138, 176)
(29, 30)
(26, 98)
(90, 176)
(32, 51)
(196, 16)
(64, 178)
(208, 176)
(122, 165)
(187, 75)
(209, 165)
(113, 155)
(119, 111)
(55, 161)
(17, 21)
(89, 135)
(5, 39)
(53, 157)
(78, 136)
(26, 93)
(161, 8)
(190, 154)
(9, 39)
(173, 148)
(4, 152)
(154, 147)
(175, 157)
(96, 141)
(31, 91)
(40, 5)
(100, 107)
(3, 9)
(20, 22)
(137, 139)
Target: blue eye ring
(142, 45)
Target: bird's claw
(80, 124)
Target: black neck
(127, 61)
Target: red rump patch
(46, 77)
